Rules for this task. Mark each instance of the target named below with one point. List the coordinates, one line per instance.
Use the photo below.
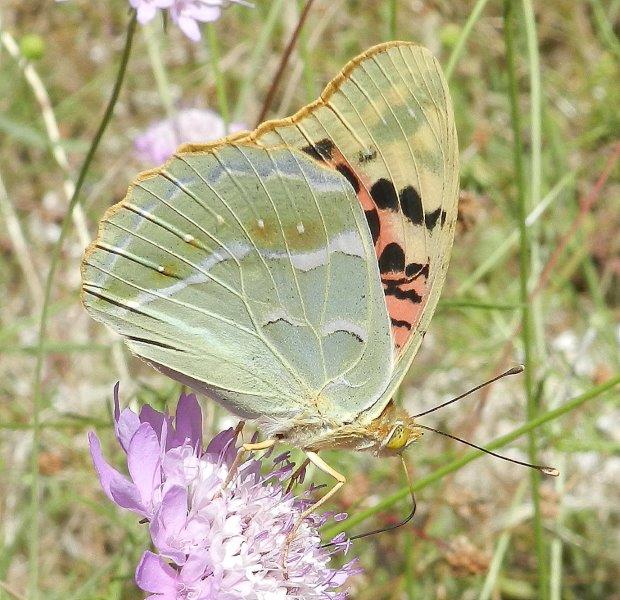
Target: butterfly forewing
(249, 274)
(386, 124)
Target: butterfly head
(396, 430)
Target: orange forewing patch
(405, 286)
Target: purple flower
(213, 540)
(185, 13)
(161, 139)
(188, 13)
(147, 9)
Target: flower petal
(188, 421)
(189, 27)
(154, 575)
(194, 568)
(105, 472)
(224, 443)
(155, 418)
(169, 522)
(145, 12)
(127, 495)
(144, 461)
(126, 422)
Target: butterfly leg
(242, 454)
(316, 460)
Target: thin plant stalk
(393, 19)
(495, 567)
(525, 253)
(535, 103)
(21, 247)
(474, 15)
(54, 262)
(260, 48)
(290, 46)
(536, 174)
(51, 127)
(556, 546)
(152, 38)
(220, 82)
(308, 72)
(458, 463)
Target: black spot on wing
(399, 323)
(366, 155)
(395, 289)
(372, 218)
(392, 259)
(357, 337)
(322, 150)
(384, 194)
(413, 269)
(351, 178)
(411, 205)
(430, 220)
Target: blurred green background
(485, 530)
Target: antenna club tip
(516, 370)
(550, 471)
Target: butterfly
(291, 272)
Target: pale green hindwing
(248, 273)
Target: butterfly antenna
(543, 469)
(395, 525)
(514, 371)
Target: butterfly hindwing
(247, 273)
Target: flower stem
(152, 38)
(220, 83)
(45, 313)
(393, 19)
(525, 254)
(468, 457)
(460, 44)
(283, 62)
(248, 87)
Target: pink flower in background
(161, 139)
(188, 13)
(147, 9)
(185, 13)
(213, 541)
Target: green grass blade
(152, 38)
(490, 581)
(392, 19)
(33, 549)
(220, 82)
(256, 59)
(525, 258)
(455, 55)
(511, 240)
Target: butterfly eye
(398, 438)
